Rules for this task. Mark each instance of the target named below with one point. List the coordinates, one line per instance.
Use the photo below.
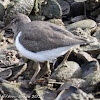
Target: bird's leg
(67, 55)
(36, 73)
(65, 58)
(48, 68)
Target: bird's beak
(9, 26)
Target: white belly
(41, 56)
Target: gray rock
(65, 7)
(97, 33)
(80, 95)
(69, 70)
(78, 18)
(21, 6)
(98, 18)
(51, 9)
(92, 47)
(95, 13)
(92, 4)
(80, 0)
(45, 93)
(11, 91)
(92, 80)
(5, 2)
(57, 22)
(83, 24)
(77, 8)
(98, 57)
(69, 1)
(37, 17)
(90, 67)
(84, 56)
(2, 11)
(72, 82)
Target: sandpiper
(41, 41)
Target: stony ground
(78, 78)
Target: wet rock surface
(76, 79)
(67, 71)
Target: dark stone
(77, 8)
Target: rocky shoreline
(78, 78)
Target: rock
(72, 82)
(51, 9)
(84, 33)
(37, 7)
(11, 91)
(98, 18)
(77, 18)
(21, 6)
(93, 43)
(73, 93)
(80, 0)
(66, 93)
(92, 4)
(65, 7)
(83, 56)
(95, 46)
(44, 92)
(95, 53)
(69, 1)
(89, 67)
(77, 8)
(80, 95)
(17, 71)
(37, 17)
(92, 80)
(67, 71)
(1, 25)
(57, 22)
(90, 24)
(98, 57)
(5, 73)
(5, 3)
(1, 35)
(2, 11)
(97, 33)
(95, 13)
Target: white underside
(41, 56)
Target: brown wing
(40, 36)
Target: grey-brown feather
(40, 36)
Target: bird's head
(18, 20)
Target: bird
(41, 41)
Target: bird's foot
(48, 72)
(33, 79)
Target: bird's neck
(17, 28)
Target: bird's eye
(14, 21)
